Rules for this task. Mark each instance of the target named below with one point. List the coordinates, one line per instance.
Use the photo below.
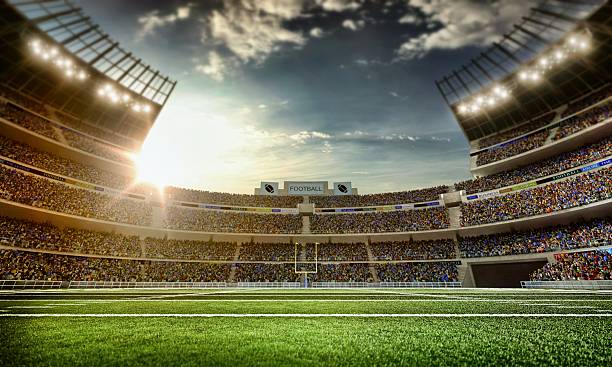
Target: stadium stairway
(143, 247)
(454, 215)
(232, 275)
(305, 224)
(551, 136)
(60, 135)
(158, 216)
(464, 276)
(371, 266)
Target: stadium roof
(61, 25)
(545, 26)
(80, 36)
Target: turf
(350, 341)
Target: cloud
(338, 5)
(215, 68)
(248, 31)
(153, 20)
(410, 18)
(316, 32)
(459, 23)
(353, 25)
(303, 136)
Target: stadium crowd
(73, 122)
(249, 272)
(565, 128)
(163, 248)
(587, 265)
(98, 132)
(574, 191)
(588, 100)
(21, 265)
(562, 162)
(387, 198)
(512, 148)
(567, 237)
(27, 234)
(267, 252)
(17, 98)
(44, 127)
(223, 198)
(376, 222)
(44, 193)
(586, 119)
(54, 163)
(359, 272)
(444, 271)
(341, 252)
(39, 125)
(413, 250)
(224, 221)
(517, 131)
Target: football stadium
(102, 263)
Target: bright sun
(149, 170)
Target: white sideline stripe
(519, 301)
(66, 304)
(310, 315)
(29, 306)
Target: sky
(332, 90)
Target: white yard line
(523, 302)
(313, 315)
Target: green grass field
(348, 327)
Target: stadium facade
(74, 105)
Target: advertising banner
(268, 188)
(343, 188)
(306, 188)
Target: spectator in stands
(413, 250)
(588, 265)
(517, 131)
(225, 221)
(387, 198)
(375, 222)
(418, 272)
(18, 265)
(575, 191)
(48, 194)
(562, 162)
(588, 234)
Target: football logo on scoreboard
(343, 188)
(268, 188)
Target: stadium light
(53, 55)
(533, 73)
(69, 69)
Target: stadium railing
(386, 285)
(568, 284)
(421, 284)
(29, 284)
(266, 285)
(104, 284)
